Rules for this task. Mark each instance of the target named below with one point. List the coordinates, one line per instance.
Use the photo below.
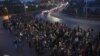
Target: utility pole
(86, 9)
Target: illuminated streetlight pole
(37, 6)
(49, 2)
(6, 9)
(26, 9)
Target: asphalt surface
(6, 38)
(74, 22)
(7, 47)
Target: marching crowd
(56, 38)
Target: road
(6, 38)
(7, 47)
(73, 22)
(55, 15)
(5, 41)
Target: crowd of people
(56, 38)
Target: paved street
(73, 22)
(6, 38)
(48, 10)
(55, 15)
(5, 41)
(7, 47)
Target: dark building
(1, 3)
(14, 6)
(83, 7)
(1, 7)
(94, 7)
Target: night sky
(27, 0)
(34, 0)
(22, 0)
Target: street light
(49, 2)
(6, 10)
(25, 7)
(67, 3)
(7, 16)
(37, 6)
